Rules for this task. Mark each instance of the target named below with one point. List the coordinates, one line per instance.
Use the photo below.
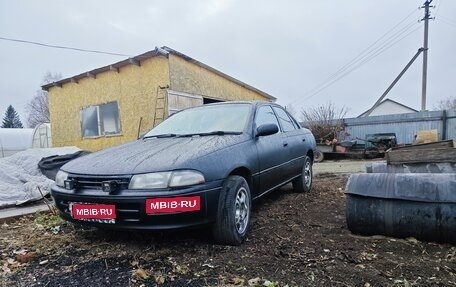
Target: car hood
(150, 155)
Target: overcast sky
(288, 49)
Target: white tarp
(20, 176)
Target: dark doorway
(210, 101)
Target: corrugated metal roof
(163, 51)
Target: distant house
(388, 107)
(113, 104)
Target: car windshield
(212, 119)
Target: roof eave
(113, 67)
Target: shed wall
(191, 78)
(133, 87)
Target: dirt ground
(295, 240)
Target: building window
(100, 120)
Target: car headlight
(166, 179)
(185, 178)
(60, 178)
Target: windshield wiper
(213, 133)
(161, 136)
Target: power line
(364, 56)
(438, 8)
(371, 51)
(391, 41)
(447, 22)
(62, 47)
(378, 40)
(356, 67)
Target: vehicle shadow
(145, 238)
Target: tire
(304, 182)
(319, 156)
(234, 211)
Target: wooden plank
(439, 144)
(427, 136)
(421, 155)
(178, 102)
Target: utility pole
(425, 52)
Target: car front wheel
(304, 182)
(233, 214)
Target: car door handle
(285, 144)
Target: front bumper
(131, 206)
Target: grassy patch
(48, 220)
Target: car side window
(295, 122)
(285, 121)
(265, 115)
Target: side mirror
(266, 130)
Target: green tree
(11, 119)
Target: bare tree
(447, 104)
(325, 121)
(38, 108)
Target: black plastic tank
(383, 167)
(403, 205)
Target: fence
(405, 126)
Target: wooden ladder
(160, 105)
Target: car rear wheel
(304, 182)
(233, 214)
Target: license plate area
(91, 212)
(173, 204)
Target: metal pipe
(444, 125)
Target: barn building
(116, 103)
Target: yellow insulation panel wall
(194, 79)
(133, 87)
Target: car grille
(125, 212)
(95, 182)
